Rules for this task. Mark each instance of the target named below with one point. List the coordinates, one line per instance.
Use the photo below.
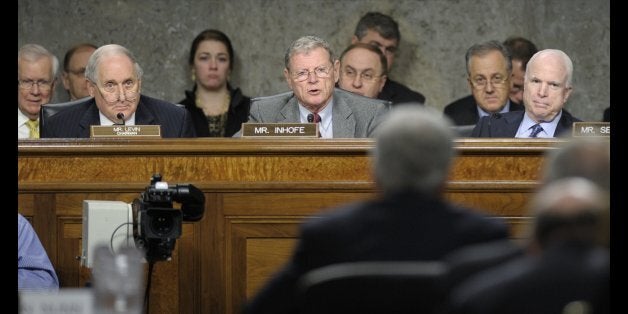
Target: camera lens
(162, 224)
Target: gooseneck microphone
(310, 118)
(120, 117)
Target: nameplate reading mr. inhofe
(143, 131)
(279, 129)
(582, 129)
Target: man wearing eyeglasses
(363, 70)
(36, 72)
(74, 64)
(311, 72)
(464, 111)
(547, 86)
(489, 68)
(114, 81)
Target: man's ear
(286, 74)
(354, 39)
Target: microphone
(496, 115)
(120, 117)
(310, 118)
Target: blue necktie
(536, 129)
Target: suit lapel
(91, 117)
(289, 112)
(143, 116)
(343, 121)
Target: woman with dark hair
(217, 108)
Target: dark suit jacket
(464, 110)
(507, 124)
(75, 122)
(238, 112)
(402, 227)
(564, 273)
(398, 93)
(353, 116)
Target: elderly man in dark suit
(114, 81)
(311, 72)
(411, 221)
(546, 89)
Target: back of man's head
(589, 158)
(570, 210)
(414, 150)
(381, 23)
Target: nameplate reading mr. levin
(143, 131)
(582, 129)
(279, 129)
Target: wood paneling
(257, 193)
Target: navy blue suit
(75, 121)
(464, 111)
(506, 125)
(402, 227)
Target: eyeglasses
(481, 82)
(320, 72)
(43, 85)
(366, 76)
(111, 91)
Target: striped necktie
(536, 129)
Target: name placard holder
(280, 130)
(109, 131)
(591, 129)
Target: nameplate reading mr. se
(143, 131)
(279, 129)
(582, 129)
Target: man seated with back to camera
(410, 220)
(311, 71)
(114, 81)
(547, 87)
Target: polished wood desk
(257, 192)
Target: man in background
(382, 31)
(363, 70)
(36, 75)
(521, 50)
(74, 64)
(489, 70)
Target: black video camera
(157, 225)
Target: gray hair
(588, 158)
(558, 53)
(484, 48)
(91, 69)
(34, 52)
(306, 44)
(414, 150)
